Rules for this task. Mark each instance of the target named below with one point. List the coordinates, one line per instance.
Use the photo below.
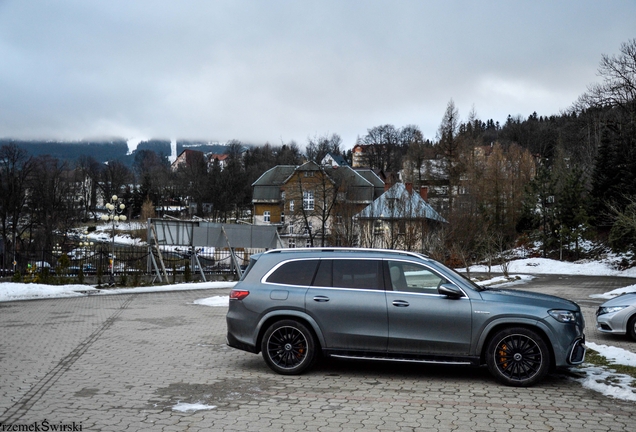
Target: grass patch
(595, 358)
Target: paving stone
(123, 362)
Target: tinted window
(294, 273)
(364, 274)
(323, 276)
(408, 277)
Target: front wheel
(518, 357)
(288, 347)
(631, 327)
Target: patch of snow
(614, 354)
(605, 380)
(173, 151)
(11, 291)
(185, 407)
(216, 301)
(133, 143)
(608, 383)
(548, 266)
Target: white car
(618, 316)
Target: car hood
(526, 297)
(622, 300)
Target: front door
(421, 321)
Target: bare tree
(15, 169)
(618, 88)
(318, 146)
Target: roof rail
(346, 249)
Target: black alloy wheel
(518, 357)
(288, 347)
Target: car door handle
(400, 303)
(321, 298)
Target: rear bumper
(235, 343)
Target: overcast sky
(276, 71)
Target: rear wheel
(631, 327)
(288, 347)
(518, 357)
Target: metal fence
(128, 260)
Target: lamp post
(85, 246)
(115, 208)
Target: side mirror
(450, 291)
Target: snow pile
(216, 301)
(10, 291)
(19, 291)
(548, 266)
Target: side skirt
(460, 361)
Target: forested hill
(103, 151)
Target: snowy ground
(601, 379)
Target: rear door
(421, 321)
(348, 301)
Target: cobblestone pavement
(123, 362)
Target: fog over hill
(113, 149)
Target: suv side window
(294, 273)
(362, 274)
(410, 277)
(324, 276)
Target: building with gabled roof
(308, 201)
(398, 219)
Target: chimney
(409, 187)
(424, 193)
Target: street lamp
(115, 208)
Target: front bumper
(610, 323)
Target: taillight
(238, 294)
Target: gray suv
(295, 304)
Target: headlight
(609, 309)
(563, 316)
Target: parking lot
(130, 362)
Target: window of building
(291, 206)
(308, 200)
(266, 216)
(291, 243)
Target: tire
(518, 357)
(288, 347)
(631, 327)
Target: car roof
(341, 252)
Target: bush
(623, 233)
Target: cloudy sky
(278, 71)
